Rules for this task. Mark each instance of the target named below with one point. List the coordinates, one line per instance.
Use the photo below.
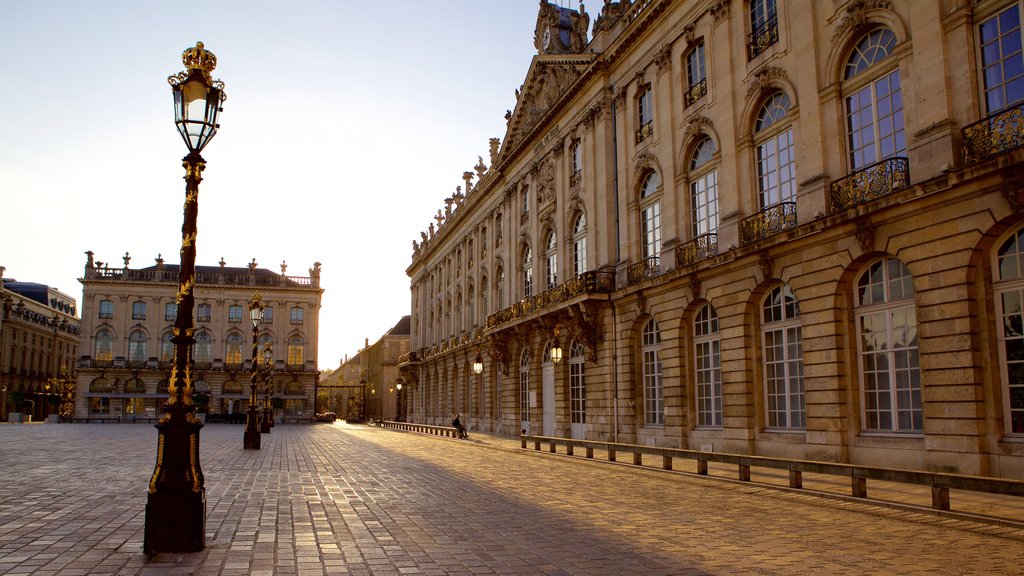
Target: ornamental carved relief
(763, 80)
(719, 10)
(856, 17)
(865, 233)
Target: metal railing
(993, 135)
(763, 37)
(939, 482)
(768, 222)
(602, 282)
(645, 131)
(643, 270)
(696, 92)
(872, 181)
(700, 248)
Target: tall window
(763, 14)
(499, 289)
(104, 346)
(704, 188)
(874, 101)
(783, 360)
(262, 342)
(576, 153)
(170, 312)
(524, 388)
(551, 260)
(484, 310)
(579, 245)
(696, 74)
(577, 385)
(645, 113)
(202, 350)
(138, 310)
(296, 315)
(234, 313)
(887, 326)
(137, 346)
(106, 309)
(776, 170)
(203, 313)
(708, 356)
(1009, 296)
(1002, 62)
(528, 273)
(650, 357)
(166, 347)
(650, 216)
(525, 197)
(470, 307)
(268, 315)
(296, 344)
(233, 348)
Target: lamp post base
(175, 522)
(267, 423)
(251, 439)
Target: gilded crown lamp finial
(199, 58)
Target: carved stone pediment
(548, 80)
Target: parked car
(326, 417)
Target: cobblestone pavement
(340, 499)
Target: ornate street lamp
(268, 379)
(251, 439)
(478, 364)
(556, 349)
(176, 504)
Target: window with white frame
(704, 188)
(170, 312)
(654, 393)
(268, 315)
(650, 217)
(202, 350)
(262, 342)
(1008, 286)
(527, 272)
(782, 339)
(708, 363)
(524, 388)
(888, 348)
(167, 347)
(776, 166)
(203, 313)
(1002, 61)
(233, 349)
(104, 351)
(297, 315)
(696, 74)
(645, 113)
(138, 310)
(576, 153)
(874, 100)
(551, 260)
(577, 384)
(137, 346)
(296, 347)
(234, 313)
(579, 245)
(106, 309)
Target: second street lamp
(251, 439)
(268, 379)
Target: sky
(347, 124)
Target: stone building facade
(126, 348)
(371, 379)
(753, 226)
(39, 330)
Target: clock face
(547, 38)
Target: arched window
(708, 364)
(654, 393)
(167, 347)
(551, 260)
(527, 272)
(1008, 285)
(162, 386)
(776, 168)
(579, 245)
(202, 350)
(296, 345)
(782, 338)
(888, 348)
(101, 385)
(134, 386)
(650, 217)
(524, 390)
(232, 387)
(264, 340)
(136, 346)
(233, 349)
(577, 385)
(104, 346)
(874, 100)
(704, 188)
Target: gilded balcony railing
(873, 181)
(696, 92)
(763, 37)
(599, 282)
(700, 248)
(768, 222)
(645, 131)
(644, 269)
(997, 133)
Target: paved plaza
(346, 499)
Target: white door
(577, 395)
(548, 383)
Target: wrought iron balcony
(768, 222)
(700, 248)
(873, 181)
(696, 92)
(593, 282)
(644, 269)
(763, 37)
(997, 133)
(645, 131)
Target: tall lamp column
(251, 439)
(176, 503)
(268, 380)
